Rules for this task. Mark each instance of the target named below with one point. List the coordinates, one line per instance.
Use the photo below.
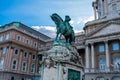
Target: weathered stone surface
(58, 60)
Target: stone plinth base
(63, 71)
(61, 63)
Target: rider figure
(69, 27)
(66, 22)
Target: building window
(14, 65)
(12, 78)
(34, 57)
(35, 44)
(7, 36)
(16, 51)
(32, 68)
(1, 38)
(115, 46)
(18, 38)
(27, 41)
(116, 63)
(114, 7)
(4, 50)
(1, 63)
(25, 54)
(101, 48)
(102, 64)
(22, 79)
(24, 66)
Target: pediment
(109, 29)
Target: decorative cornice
(97, 22)
(103, 39)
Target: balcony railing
(107, 70)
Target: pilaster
(107, 55)
(92, 56)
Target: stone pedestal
(62, 63)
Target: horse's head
(56, 18)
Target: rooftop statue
(63, 28)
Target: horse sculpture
(63, 28)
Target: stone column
(107, 56)
(92, 56)
(87, 59)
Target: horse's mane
(55, 14)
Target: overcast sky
(36, 13)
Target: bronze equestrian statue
(63, 28)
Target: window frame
(32, 69)
(116, 60)
(18, 38)
(26, 55)
(17, 52)
(1, 38)
(7, 36)
(2, 63)
(101, 48)
(35, 44)
(4, 50)
(34, 57)
(114, 46)
(27, 41)
(102, 64)
(24, 67)
(14, 65)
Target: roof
(26, 28)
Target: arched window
(18, 38)
(16, 51)
(26, 54)
(27, 41)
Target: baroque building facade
(102, 42)
(19, 51)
